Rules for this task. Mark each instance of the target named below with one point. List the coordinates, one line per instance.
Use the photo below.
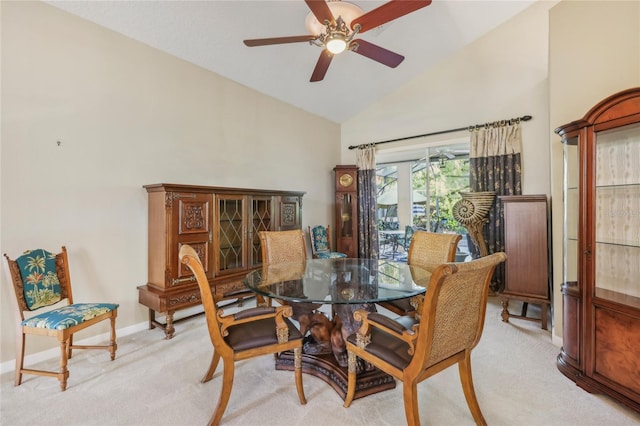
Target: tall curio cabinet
(601, 268)
(346, 216)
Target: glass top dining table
(339, 281)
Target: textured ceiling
(210, 34)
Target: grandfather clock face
(345, 181)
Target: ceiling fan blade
(377, 53)
(278, 40)
(388, 12)
(322, 65)
(321, 11)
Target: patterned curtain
(367, 227)
(496, 165)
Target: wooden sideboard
(222, 225)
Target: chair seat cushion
(400, 305)
(68, 316)
(256, 334)
(329, 255)
(386, 347)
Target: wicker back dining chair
(40, 280)
(286, 247)
(282, 246)
(450, 326)
(427, 250)
(246, 334)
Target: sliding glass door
(419, 194)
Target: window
(422, 192)
(387, 200)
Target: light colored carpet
(157, 382)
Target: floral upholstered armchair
(321, 243)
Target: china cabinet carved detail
(346, 210)
(601, 262)
(222, 225)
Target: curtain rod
(470, 128)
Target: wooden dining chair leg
(69, 346)
(19, 357)
(297, 363)
(464, 368)
(225, 392)
(351, 383)
(212, 367)
(410, 395)
(63, 374)
(113, 346)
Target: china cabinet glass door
(617, 215)
(231, 231)
(571, 211)
(260, 221)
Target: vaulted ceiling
(211, 33)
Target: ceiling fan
(333, 25)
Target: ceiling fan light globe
(336, 45)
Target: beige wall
(594, 52)
(128, 115)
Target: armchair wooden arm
(255, 314)
(386, 324)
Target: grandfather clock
(346, 220)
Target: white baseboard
(54, 353)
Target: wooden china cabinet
(222, 225)
(346, 216)
(601, 262)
